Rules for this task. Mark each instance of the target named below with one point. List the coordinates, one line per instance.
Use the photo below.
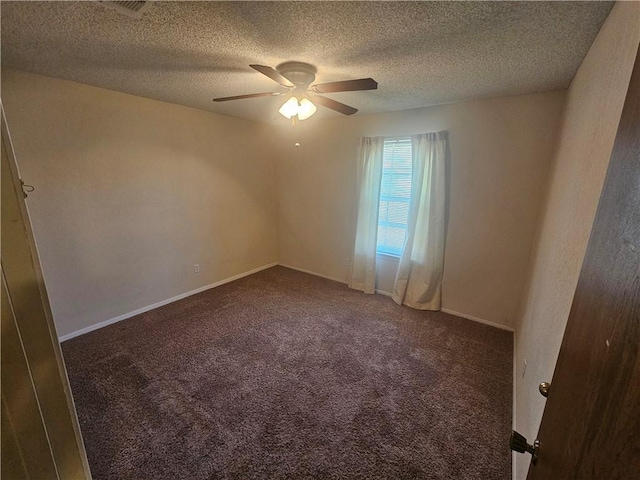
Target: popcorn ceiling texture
(421, 53)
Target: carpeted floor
(286, 375)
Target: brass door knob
(544, 389)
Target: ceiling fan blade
(346, 86)
(273, 74)
(251, 95)
(333, 105)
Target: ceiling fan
(297, 78)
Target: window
(395, 192)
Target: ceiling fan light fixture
(290, 108)
(306, 109)
(302, 108)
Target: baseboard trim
(462, 315)
(382, 292)
(124, 316)
(312, 273)
(476, 319)
(387, 294)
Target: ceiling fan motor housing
(299, 73)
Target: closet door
(22, 427)
(42, 437)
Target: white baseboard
(387, 294)
(124, 316)
(312, 273)
(462, 315)
(476, 319)
(382, 292)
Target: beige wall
(594, 105)
(501, 151)
(131, 193)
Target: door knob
(519, 444)
(544, 389)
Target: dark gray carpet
(287, 375)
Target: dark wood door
(591, 424)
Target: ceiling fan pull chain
(296, 123)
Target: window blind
(395, 192)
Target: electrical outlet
(346, 262)
(524, 367)
(196, 268)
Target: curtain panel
(419, 279)
(363, 267)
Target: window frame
(393, 254)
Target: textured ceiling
(421, 53)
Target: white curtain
(419, 279)
(363, 268)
